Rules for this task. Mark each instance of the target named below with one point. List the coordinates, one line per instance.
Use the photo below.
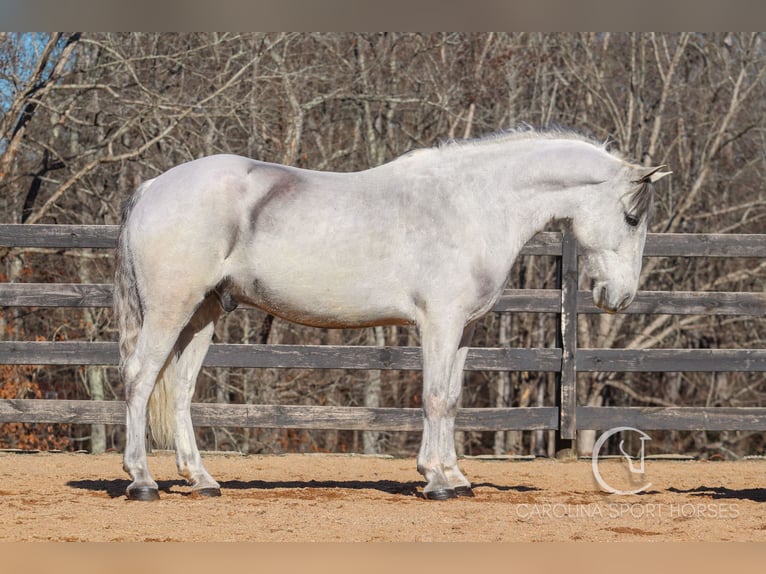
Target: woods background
(86, 117)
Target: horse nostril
(624, 303)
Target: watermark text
(635, 511)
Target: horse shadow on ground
(723, 493)
(116, 488)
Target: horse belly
(312, 290)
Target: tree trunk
(503, 386)
(371, 439)
(94, 374)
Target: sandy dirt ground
(301, 498)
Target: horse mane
(524, 132)
(641, 197)
(527, 132)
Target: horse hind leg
(140, 372)
(150, 376)
(192, 346)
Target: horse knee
(130, 368)
(130, 371)
(139, 378)
(438, 406)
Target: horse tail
(128, 308)
(162, 420)
(129, 315)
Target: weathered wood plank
(100, 295)
(284, 356)
(55, 295)
(512, 300)
(281, 416)
(58, 353)
(671, 360)
(673, 418)
(566, 395)
(360, 418)
(516, 418)
(62, 411)
(402, 358)
(544, 243)
(529, 301)
(705, 245)
(383, 358)
(313, 356)
(59, 236)
(105, 236)
(686, 303)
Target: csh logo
(632, 469)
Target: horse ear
(653, 175)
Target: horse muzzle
(610, 301)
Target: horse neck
(539, 181)
(529, 213)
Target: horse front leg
(437, 460)
(458, 482)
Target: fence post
(566, 378)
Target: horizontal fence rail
(544, 243)
(403, 358)
(285, 356)
(566, 359)
(284, 416)
(395, 419)
(512, 300)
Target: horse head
(611, 229)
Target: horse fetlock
(456, 478)
(197, 478)
(438, 486)
(204, 481)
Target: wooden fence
(566, 360)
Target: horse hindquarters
(154, 309)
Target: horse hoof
(466, 491)
(143, 493)
(441, 494)
(208, 492)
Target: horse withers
(427, 240)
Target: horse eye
(631, 220)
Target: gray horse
(427, 240)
